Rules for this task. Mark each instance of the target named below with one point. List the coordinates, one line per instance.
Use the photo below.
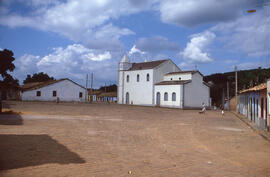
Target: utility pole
(105, 94)
(92, 77)
(223, 97)
(236, 98)
(91, 92)
(228, 95)
(86, 94)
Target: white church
(161, 83)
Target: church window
(171, 79)
(54, 93)
(165, 96)
(38, 93)
(173, 96)
(138, 77)
(179, 78)
(127, 78)
(147, 77)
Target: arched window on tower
(138, 77)
(165, 96)
(147, 77)
(173, 96)
(127, 78)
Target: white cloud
(38, 3)
(134, 50)
(74, 56)
(73, 62)
(193, 12)
(156, 44)
(26, 64)
(253, 65)
(157, 47)
(107, 37)
(71, 52)
(112, 32)
(77, 20)
(99, 57)
(193, 53)
(248, 34)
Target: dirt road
(105, 140)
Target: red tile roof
(37, 85)
(183, 72)
(147, 65)
(254, 89)
(173, 82)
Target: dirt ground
(107, 140)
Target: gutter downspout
(182, 96)
(123, 79)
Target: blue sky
(72, 38)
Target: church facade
(160, 83)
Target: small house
(62, 89)
(253, 105)
(268, 104)
(108, 96)
(161, 83)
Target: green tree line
(246, 79)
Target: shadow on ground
(10, 118)
(17, 151)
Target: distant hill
(246, 79)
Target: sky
(72, 38)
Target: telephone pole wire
(236, 98)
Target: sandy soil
(105, 140)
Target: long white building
(63, 89)
(160, 83)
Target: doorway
(158, 99)
(127, 98)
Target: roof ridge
(151, 61)
(147, 65)
(46, 83)
(255, 88)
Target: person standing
(0, 104)
(203, 107)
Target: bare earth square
(77, 139)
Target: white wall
(196, 92)
(268, 102)
(120, 96)
(169, 89)
(122, 67)
(140, 93)
(66, 91)
(184, 76)
(163, 69)
(160, 71)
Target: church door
(158, 98)
(127, 98)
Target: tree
(110, 88)
(246, 79)
(37, 77)
(6, 59)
